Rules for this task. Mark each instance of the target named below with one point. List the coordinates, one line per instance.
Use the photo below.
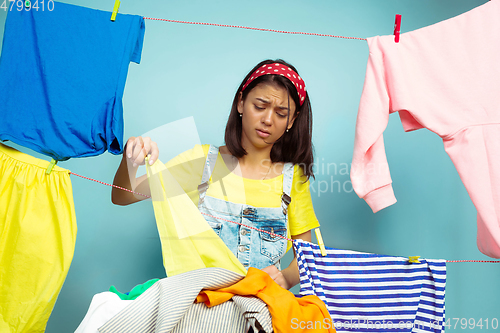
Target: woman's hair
(295, 145)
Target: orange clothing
(289, 313)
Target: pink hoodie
(446, 78)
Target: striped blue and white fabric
(167, 307)
(367, 292)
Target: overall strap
(213, 152)
(286, 197)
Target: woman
(268, 150)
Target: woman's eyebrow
(267, 102)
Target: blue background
(190, 70)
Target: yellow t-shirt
(187, 168)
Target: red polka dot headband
(279, 69)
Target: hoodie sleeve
(370, 175)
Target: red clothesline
(103, 183)
(251, 28)
(246, 226)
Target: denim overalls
(251, 247)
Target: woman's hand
(277, 276)
(137, 148)
(288, 277)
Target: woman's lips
(262, 133)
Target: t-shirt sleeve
(302, 217)
(137, 50)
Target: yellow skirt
(37, 239)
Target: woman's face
(265, 111)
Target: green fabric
(135, 292)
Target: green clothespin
(51, 166)
(414, 260)
(115, 10)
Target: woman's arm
(288, 277)
(134, 153)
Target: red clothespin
(397, 28)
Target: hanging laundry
(62, 77)
(367, 292)
(167, 306)
(37, 239)
(444, 78)
(188, 242)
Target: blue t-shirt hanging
(62, 76)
